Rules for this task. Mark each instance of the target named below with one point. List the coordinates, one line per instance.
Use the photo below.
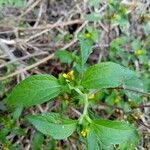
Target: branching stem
(86, 105)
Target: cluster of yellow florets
(69, 76)
(115, 16)
(66, 98)
(137, 115)
(88, 35)
(117, 99)
(84, 132)
(91, 96)
(139, 52)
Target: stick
(28, 67)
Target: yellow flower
(139, 52)
(88, 35)
(84, 132)
(126, 10)
(6, 147)
(92, 96)
(117, 99)
(69, 76)
(66, 102)
(137, 115)
(66, 96)
(115, 16)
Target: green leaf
(92, 141)
(136, 44)
(34, 90)
(18, 131)
(95, 34)
(93, 17)
(135, 84)
(116, 44)
(17, 113)
(17, 3)
(94, 3)
(51, 144)
(53, 124)
(64, 56)
(126, 145)
(106, 75)
(86, 49)
(3, 133)
(147, 28)
(2, 106)
(114, 132)
(37, 141)
(87, 40)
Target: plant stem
(85, 111)
(86, 104)
(78, 91)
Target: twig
(29, 8)
(76, 111)
(23, 58)
(142, 123)
(8, 42)
(48, 26)
(55, 25)
(42, 32)
(136, 91)
(111, 106)
(39, 15)
(76, 34)
(116, 107)
(40, 108)
(142, 106)
(50, 56)
(69, 44)
(133, 90)
(28, 67)
(7, 51)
